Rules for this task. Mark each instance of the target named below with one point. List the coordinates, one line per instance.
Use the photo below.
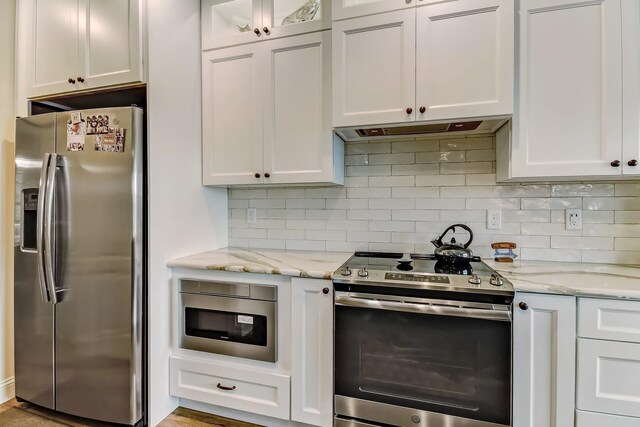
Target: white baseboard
(7, 389)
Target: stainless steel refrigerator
(79, 263)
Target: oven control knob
(475, 280)
(496, 280)
(415, 419)
(346, 271)
(363, 272)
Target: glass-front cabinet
(232, 22)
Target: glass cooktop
(414, 263)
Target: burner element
(404, 265)
(463, 269)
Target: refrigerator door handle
(40, 229)
(48, 227)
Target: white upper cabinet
(266, 114)
(227, 23)
(573, 119)
(438, 61)
(464, 59)
(631, 87)
(374, 69)
(79, 44)
(232, 115)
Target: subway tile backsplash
(398, 195)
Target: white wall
(7, 132)
(184, 216)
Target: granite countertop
(317, 265)
(568, 278)
(563, 278)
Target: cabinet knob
(423, 109)
(72, 81)
(257, 175)
(615, 163)
(632, 162)
(267, 175)
(523, 306)
(257, 31)
(325, 291)
(80, 79)
(266, 30)
(409, 110)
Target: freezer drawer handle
(226, 388)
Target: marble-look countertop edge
(546, 277)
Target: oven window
(226, 326)
(451, 365)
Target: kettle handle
(438, 242)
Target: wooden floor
(28, 415)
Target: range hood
(415, 129)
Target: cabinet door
(343, 9)
(570, 119)
(232, 81)
(592, 419)
(312, 345)
(607, 377)
(374, 69)
(288, 17)
(297, 110)
(52, 43)
(544, 353)
(227, 23)
(464, 59)
(111, 45)
(631, 86)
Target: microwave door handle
(48, 228)
(438, 310)
(40, 218)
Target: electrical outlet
(573, 219)
(494, 219)
(252, 217)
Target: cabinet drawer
(608, 375)
(609, 319)
(591, 419)
(256, 392)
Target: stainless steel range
(423, 343)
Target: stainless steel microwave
(234, 319)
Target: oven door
(408, 361)
(232, 326)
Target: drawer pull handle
(224, 387)
(325, 291)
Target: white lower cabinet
(223, 385)
(609, 377)
(544, 335)
(297, 387)
(609, 361)
(592, 419)
(312, 351)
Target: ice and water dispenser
(29, 219)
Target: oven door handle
(412, 307)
